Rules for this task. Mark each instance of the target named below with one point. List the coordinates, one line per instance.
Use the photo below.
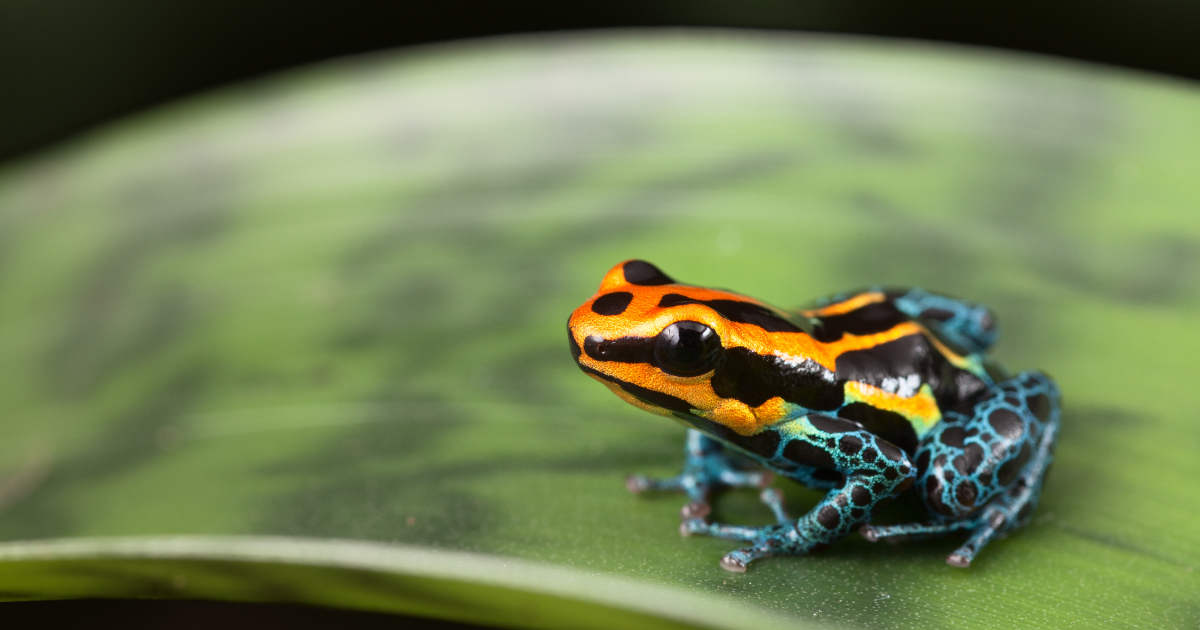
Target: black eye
(687, 349)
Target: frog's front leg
(982, 471)
(871, 470)
(706, 466)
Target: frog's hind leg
(706, 466)
(983, 472)
(967, 324)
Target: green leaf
(303, 340)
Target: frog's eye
(687, 349)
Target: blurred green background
(328, 306)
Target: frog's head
(684, 351)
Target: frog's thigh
(970, 458)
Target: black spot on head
(970, 459)
(850, 445)
(905, 485)
(612, 303)
(1013, 400)
(948, 475)
(1039, 404)
(878, 489)
(891, 474)
(806, 454)
(965, 494)
(644, 274)
(869, 454)
(1007, 423)
(621, 350)
(857, 513)
(888, 425)
(953, 437)
(828, 517)
(860, 495)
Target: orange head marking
(658, 344)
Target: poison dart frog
(864, 395)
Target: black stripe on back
(754, 379)
(867, 320)
(736, 311)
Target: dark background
(68, 65)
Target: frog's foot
(766, 541)
(706, 467)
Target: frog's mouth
(657, 402)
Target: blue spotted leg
(968, 324)
(982, 469)
(869, 471)
(706, 467)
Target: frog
(864, 395)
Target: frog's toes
(737, 561)
(958, 560)
(637, 484)
(693, 518)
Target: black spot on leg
(878, 489)
(612, 303)
(857, 513)
(1009, 470)
(644, 274)
(889, 425)
(828, 517)
(850, 445)
(832, 425)
(965, 494)
(1040, 406)
(829, 476)
(1007, 423)
(923, 461)
(953, 437)
(860, 496)
(970, 459)
(890, 450)
(806, 454)
(933, 496)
